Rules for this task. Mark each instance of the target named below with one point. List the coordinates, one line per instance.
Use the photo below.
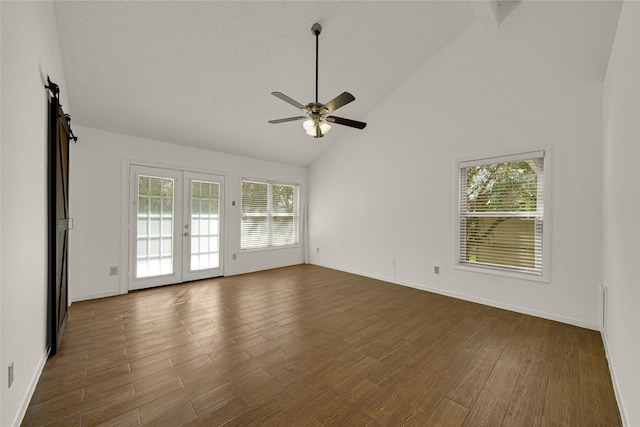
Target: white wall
(96, 242)
(621, 210)
(30, 52)
(388, 192)
(1, 364)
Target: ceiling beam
(487, 12)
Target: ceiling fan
(316, 122)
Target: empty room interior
(292, 213)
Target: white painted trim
(471, 298)
(262, 268)
(127, 162)
(270, 248)
(86, 297)
(124, 227)
(174, 166)
(300, 243)
(603, 299)
(187, 274)
(513, 156)
(22, 409)
(614, 380)
(305, 229)
(500, 272)
(547, 230)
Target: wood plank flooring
(309, 346)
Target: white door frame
(125, 231)
(187, 273)
(177, 239)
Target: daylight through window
(269, 215)
(501, 213)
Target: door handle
(186, 234)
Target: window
(155, 226)
(501, 214)
(269, 215)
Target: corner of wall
(30, 52)
(24, 405)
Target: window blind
(255, 230)
(269, 214)
(502, 213)
(284, 215)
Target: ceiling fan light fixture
(324, 127)
(309, 126)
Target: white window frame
(506, 157)
(270, 215)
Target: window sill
(269, 248)
(498, 272)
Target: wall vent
(604, 289)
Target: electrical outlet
(113, 270)
(317, 250)
(10, 374)
(234, 257)
(436, 270)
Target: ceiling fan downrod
(316, 29)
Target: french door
(175, 226)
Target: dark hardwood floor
(308, 346)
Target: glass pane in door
(155, 226)
(205, 227)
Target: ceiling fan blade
(286, 99)
(288, 119)
(339, 101)
(346, 122)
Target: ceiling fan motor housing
(316, 108)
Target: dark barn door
(58, 221)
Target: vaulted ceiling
(201, 73)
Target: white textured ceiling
(200, 73)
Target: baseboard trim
(471, 298)
(261, 268)
(79, 298)
(22, 410)
(614, 380)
